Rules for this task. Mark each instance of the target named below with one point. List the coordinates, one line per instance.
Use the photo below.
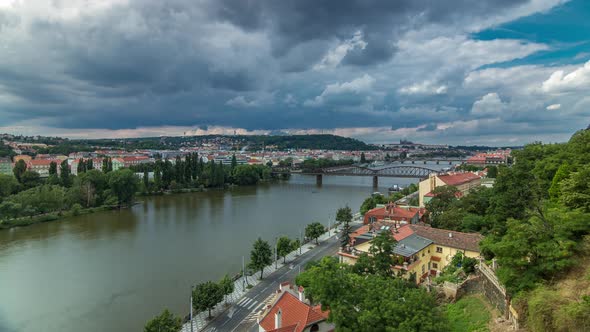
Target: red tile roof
(394, 212)
(41, 162)
(295, 315)
(458, 178)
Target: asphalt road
(242, 316)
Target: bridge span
(392, 171)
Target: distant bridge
(392, 171)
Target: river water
(112, 271)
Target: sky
(494, 72)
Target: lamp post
(192, 289)
(276, 252)
(301, 240)
(243, 273)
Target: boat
(394, 188)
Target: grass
(468, 314)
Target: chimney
(301, 297)
(450, 235)
(278, 315)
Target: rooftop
(459, 240)
(458, 178)
(295, 315)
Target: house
(41, 166)
(421, 250)
(463, 181)
(117, 163)
(394, 212)
(24, 157)
(5, 166)
(291, 312)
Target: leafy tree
(19, 169)
(146, 181)
(364, 265)
(492, 172)
(165, 322)
(370, 302)
(53, 168)
(381, 250)
(81, 167)
(227, 285)
(246, 175)
(30, 179)
(206, 296)
(345, 234)
(284, 247)
(314, 231)
(8, 185)
(234, 161)
(124, 184)
(575, 190)
(89, 164)
(444, 196)
(65, 174)
(363, 159)
(371, 202)
(344, 215)
(260, 256)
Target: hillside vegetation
(535, 220)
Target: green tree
(123, 184)
(575, 190)
(260, 256)
(284, 247)
(227, 285)
(234, 161)
(19, 169)
(89, 164)
(444, 196)
(8, 185)
(146, 181)
(314, 231)
(81, 167)
(363, 159)
(381, 250)
(165, 322)
(492, 172)
(345, 234)
(30, 179)
(344, 215)
(206, 296)
(246, 175)
(53, 168)
(64, 175)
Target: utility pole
(300, 242)
(276, 252)
(192, 288)
(243, 272)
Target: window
(423, 254)
(423, 268)
(434, 265)
(439, 250)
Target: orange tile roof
(295, 315)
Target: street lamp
(276, 252)
(192, 289)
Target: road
(242, 315)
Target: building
(291, 312)
(118, 163)
(463, 181)
(24, 157)
(402, 214)
(499, 157)
(420, 250)
(5, 166)
(41, 166)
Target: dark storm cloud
(179, 62)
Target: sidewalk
(200, 320)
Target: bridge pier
(318, 179)
(437, 162)
(375, 181)
(412, 161)
(424, 162)
(450, 162)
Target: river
(113, 270)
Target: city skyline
(495, 73)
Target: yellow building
(421, 250)
(463, 181)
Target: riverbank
(252, 294)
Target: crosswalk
(254, 306)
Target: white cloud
(489, 105)
(335, 55)
(241, 101)
(359, 85)
(577, 80)
(553, 107)
(424, 88)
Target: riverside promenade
(243, 305)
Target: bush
(76, 209)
